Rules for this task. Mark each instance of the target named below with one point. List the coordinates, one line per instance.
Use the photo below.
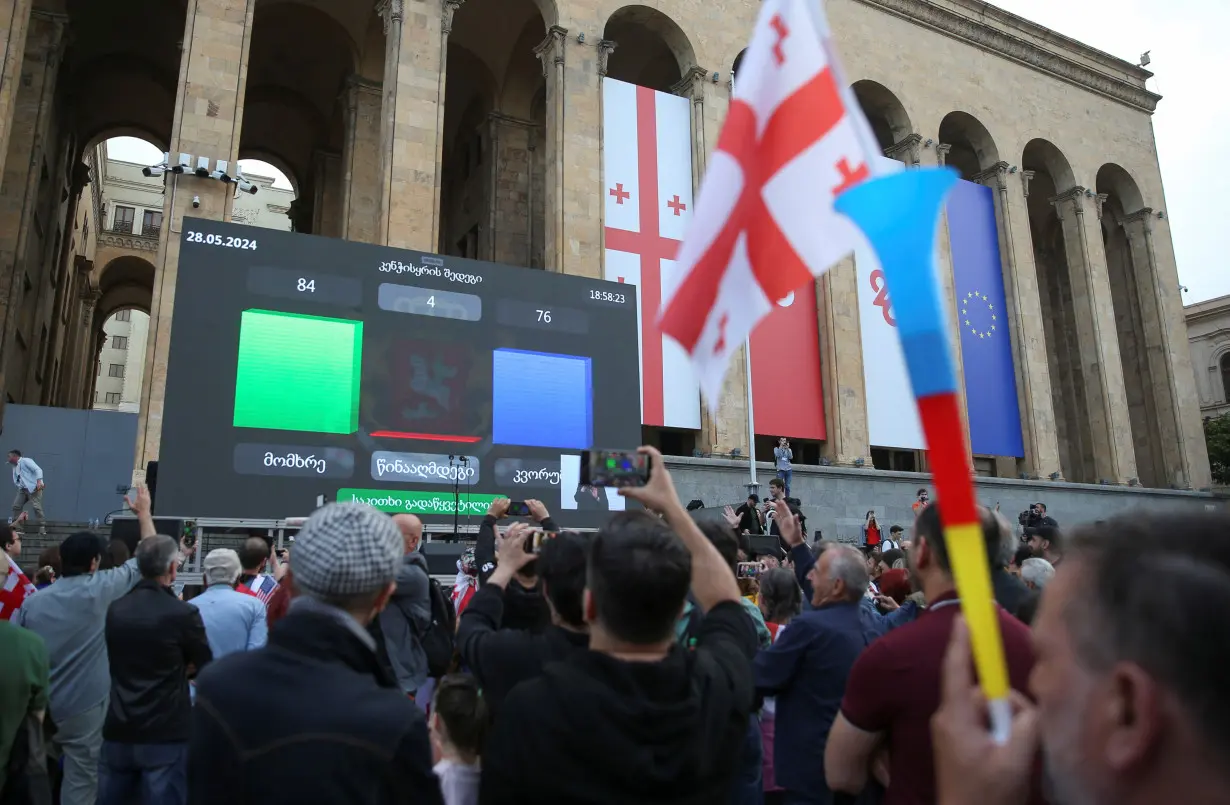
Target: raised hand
(498, 508)
(139, 503)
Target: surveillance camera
(247, 187)
(202, 167)
(220, 172)
(185, 162)
(196, 202)
(154, 170)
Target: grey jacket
(405, 619)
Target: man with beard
(1127, 711)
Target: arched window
(1225, 377)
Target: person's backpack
(437, 640)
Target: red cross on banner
(648, 159)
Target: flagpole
(753, 484)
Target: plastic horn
(899, 215)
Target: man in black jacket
(333, 725)
(636, 718)
(155, 644)
(503, 658)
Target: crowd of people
(662, 659)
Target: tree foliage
(1217, 436)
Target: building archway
(493, 166)
(1136, 318)
(124, 283)
(651, 50)
(275, 205)
(300, 59)
(120, 360)
(1052, 175)
(972, 149)
(889, 120)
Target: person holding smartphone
(782, 458)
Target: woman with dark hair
(116, 554)
(780, 600)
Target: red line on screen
(426, 437)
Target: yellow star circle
(965, 305)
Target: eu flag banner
(986, 351)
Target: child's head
(459, 716)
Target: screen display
(302, 366)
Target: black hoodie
(595, 729)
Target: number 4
(431, 301)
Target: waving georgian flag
(794, 139)
(13, 592)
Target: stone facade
(1208, 336)
(473, 127)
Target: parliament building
(475, 128)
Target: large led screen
(302, 366)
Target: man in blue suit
(806, 669)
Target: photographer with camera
(524, 605)
(636, 718)
(502, 658)
(1035, 517)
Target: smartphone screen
(614, 468)
(535, 540)
(748, 570)
(518, 508)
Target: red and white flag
(794, 139)
(647, 167)
(13, 592)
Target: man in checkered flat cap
(334, 725)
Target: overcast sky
(1192, 123)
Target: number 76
(544, 316)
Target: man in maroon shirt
(894, 687)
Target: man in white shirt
(28, 478)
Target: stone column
(412, 124)
(908, 151)
(841, 350)
(1025, 317)
(70, 367)
(510, 179)
(1183, 448)
(1097, 338)
(15, 17)
(934, 156)
(361, 162)
(208, 119)
(33, 110)
(327, 187)
(87, 368)
(556, 152)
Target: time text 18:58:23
(606, 296)
(220, 240)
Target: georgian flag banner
(794, 139)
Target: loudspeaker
(151, 482)
(129, 530)
(441, 557)
(766, 545)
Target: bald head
(411, 529)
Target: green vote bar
(416, 502)
(298, 372)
